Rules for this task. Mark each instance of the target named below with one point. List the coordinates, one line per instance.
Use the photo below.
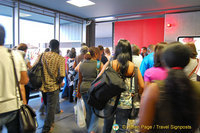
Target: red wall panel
(140, 32)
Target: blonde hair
(107, 50)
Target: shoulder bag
(135, 97)
(35, 75)
(27, 116)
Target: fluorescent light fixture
(81, 3)
(24, 15)
(129, 17)
(104, 19)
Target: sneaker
(60, 112)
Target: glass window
(70, 35)
(7, 21)
(36, 31)
(103, 35)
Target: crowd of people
(167, 77)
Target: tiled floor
(64, 122)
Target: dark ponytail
(179, 93)
(178, 88)
(123, 54)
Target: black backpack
(35, 75)
(108, 85)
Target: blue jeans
(91, 119)
(50, 100)
(11, 121)
(121, 119)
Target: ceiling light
(129, 16)
(24, 15)
(81, 3)
(104, 19)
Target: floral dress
(125, 101)
(70, 63)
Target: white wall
(182, 24)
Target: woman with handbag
(122, 64)
(88, 71)
(171, 105)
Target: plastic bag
(80, 107)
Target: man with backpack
(54, 72)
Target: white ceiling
(104, 8)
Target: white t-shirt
(8, 100)
(137, 60)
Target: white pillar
(16, 24)
(57, 27)
(83, 38)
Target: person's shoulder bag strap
(16, 78)
(194, 69)
(48, 70)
